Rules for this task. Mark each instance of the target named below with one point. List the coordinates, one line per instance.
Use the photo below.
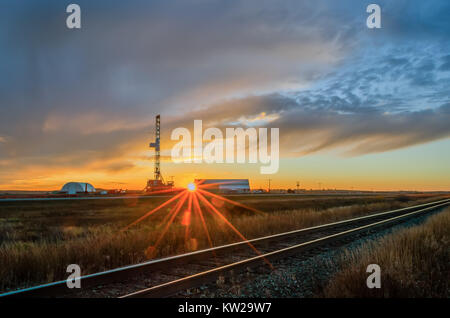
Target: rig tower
(157, 145)
(157, 183)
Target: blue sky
(84, 100)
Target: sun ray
(229, 201)
(146, 215)
(173, 213)
(200, 213)
(187, 218)
(220, 215)
(200, 182)
(167, 216)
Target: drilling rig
(157, 183)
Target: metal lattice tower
(156, 145)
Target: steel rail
(118, 274)
(171, 288)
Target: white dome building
(77, 187)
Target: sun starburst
(191, 201)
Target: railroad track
(168, 276)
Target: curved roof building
(77, 187)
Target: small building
(225, 185)
(77, 187)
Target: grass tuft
(415, 262)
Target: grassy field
(40, 238)
(414, 262)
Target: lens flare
(195, 197)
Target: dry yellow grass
(415, 262)
(99, 248)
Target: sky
(356, 107)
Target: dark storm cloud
(445, 63)
(130, 61)
(419, 20)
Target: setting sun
(191, 187)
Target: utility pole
(269, 184)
